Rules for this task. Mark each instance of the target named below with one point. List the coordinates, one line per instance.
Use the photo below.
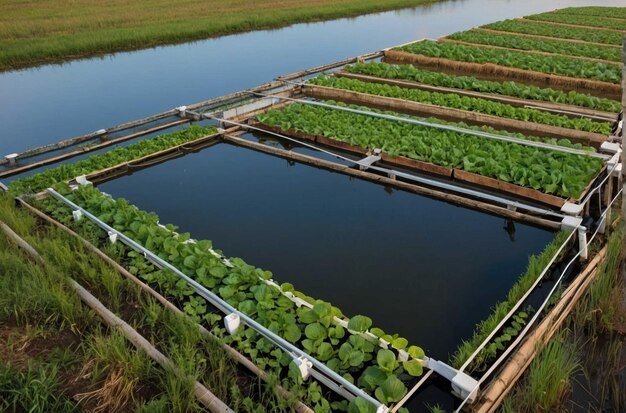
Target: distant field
(36, 32)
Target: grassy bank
(33, 33)
(56, 355)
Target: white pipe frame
(526, 329)
(227, 309)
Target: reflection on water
(419, 267)
(48, 103)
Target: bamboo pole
(237, 356)
(500, 386)
(206, 397)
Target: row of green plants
(353, 352)
(64, 172)
(618, 12)
(546, 170)
(581, 20)
(536, 264)
(543, 45)
(96, 368)
(558, 65)
(452, 100)
(514, 89)
(545, 29)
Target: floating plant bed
(410, 107)
(300, 120)
(495, 72)
(561, 109)
(545, 29)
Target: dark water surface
(419, 267)
(52, 102)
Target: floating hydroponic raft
(517, 118)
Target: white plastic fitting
(77, 214)
(101, 132)
(12, 158)
(304, 366)
(231, 322)
(464, 386)
(182, 111)
(570, 223)
(112, 237)
(609, 147)
(570, 208)
(82, 180)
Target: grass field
(44, 31)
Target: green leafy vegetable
(558, 65)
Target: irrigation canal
(53, 102)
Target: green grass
(603, 308)
(33, 389)
(548, 379)
(47, 31)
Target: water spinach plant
(615, 12)
(514, 89)
(546, 170)
(353, 351)
(452, 100)
(558, 65)
(539, 28)
(544, 45)
(580, 20)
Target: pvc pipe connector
(12, 158)
(232, 322)
(464, 386)
(570, 223)
(82, 180)
(609, 147)
(617, 171)
(182, 111)
(101, 132)
(305, 366)
(112, 236)
(570, 208)
(77, 214)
